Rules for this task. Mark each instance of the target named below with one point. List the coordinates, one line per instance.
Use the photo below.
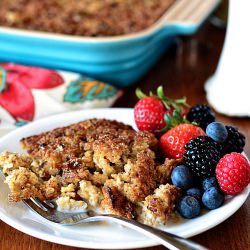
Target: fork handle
(171, 241)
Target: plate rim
(239, 200)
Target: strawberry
(172, 142)
(149, 111)
(233, 173)
(149, 114)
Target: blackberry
(201, 114)
(235, 141)
(202, 155)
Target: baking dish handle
(186, 16)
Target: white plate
(95, 235)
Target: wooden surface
(182, 71)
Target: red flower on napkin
(33, 77)
(17, 97)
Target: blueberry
(182, 177)
(217, 131)
(189, 207)
(209, 182)
(194, 192)
(212, 198)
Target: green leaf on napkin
(3, 82)
(87, 89)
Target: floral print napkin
(29, 93)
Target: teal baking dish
(120, 60)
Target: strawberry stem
(139, 93)
(182, 101)
(168, 103)
(160, 93)
(175, 104)
(173, 120)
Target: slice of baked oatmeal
(94, 164)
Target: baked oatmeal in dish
(82, 17)
(95, 164)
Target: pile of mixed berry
(212, 163)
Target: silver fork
(48, 211)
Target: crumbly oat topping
(11, 161)
(104, 165)
(82, 17)
(159, 206)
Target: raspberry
(233, 173)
